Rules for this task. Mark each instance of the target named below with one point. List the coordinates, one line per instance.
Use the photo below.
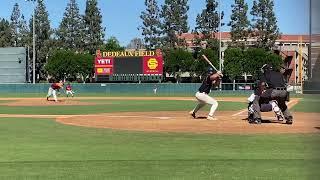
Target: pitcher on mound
(213, 79)
(52, 91)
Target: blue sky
(121, 17)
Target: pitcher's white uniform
(53, 90)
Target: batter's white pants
(204, 99)
(53, 93)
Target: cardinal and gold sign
(152, 65)
(140, 53)
(152, 62)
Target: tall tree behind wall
(151, 28)
(174, 14)
(94, 32)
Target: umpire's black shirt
(274, 79)
(206, 85)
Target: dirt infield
(182, 122)
(63, 101)
(43, 102)
(174, 121)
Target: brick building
(292, 48)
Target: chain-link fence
(136, 89)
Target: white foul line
(238, 113)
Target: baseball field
(154, 138)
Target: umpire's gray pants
(272, 94)
(256, 108)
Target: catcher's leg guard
(277, 110)
(250, 112)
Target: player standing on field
(53, 90)
(155, 89)
(69, 90)
(213, 78)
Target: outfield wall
(165, 89)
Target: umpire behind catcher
(272, 86)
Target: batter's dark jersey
(206, 85)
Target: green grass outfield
(104, 106)
(168, 94)
(44, 149)
(31, 95)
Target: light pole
(310, 41)
(34, 44)
(220, 62)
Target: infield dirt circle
(230, 122)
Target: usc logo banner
(152, 65)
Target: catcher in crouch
(265, 106)
(213, 79)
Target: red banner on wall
(104, 61)
(152, 65)
(103, 66)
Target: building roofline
(227, 36)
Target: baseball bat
(205, 58)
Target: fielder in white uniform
(155, 89)
(213, 78)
